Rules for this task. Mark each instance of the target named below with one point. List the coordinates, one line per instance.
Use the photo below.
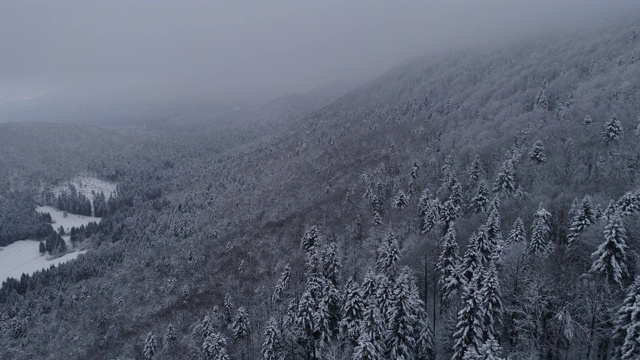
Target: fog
(238, 50)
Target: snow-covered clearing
(24, 256)
(71, 220)
(88, 185)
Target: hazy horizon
(230, 50)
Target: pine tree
(505, 182)
(367, 349)
(214, 347)
(170, 339)
(491, 296)
(472, 260)
(228, 305)
(475, 171)
(587, 120)
(150, 344)
(282, 285)
(423, 203)
(384, 296)
(352, 313)
(540, 232)
(431, 217)
(271, 343)
(448, 263)
(611, 255)
(469, 329)
(626, 331)
(369, 286)
(42, 248)
(517, 234)
(612, 130)
(490, 235)
(424, 339)
(537, 153)
(584, 216)
(330, 263)
(310, 239)
(400, 201)
(448, 213)
(388, 255)
(400, 340)
(480, 200)
(240, 326)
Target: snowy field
(72, 220)
(24, 256)
(88, 185)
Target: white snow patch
(24, 257)
(88, 185)
(71, 220)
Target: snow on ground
(87, 185)
(24, 257)
(72, 220)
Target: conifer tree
(240, 326)
(626, 331)
(388, 255)
(271, 343)
(400, 201)
(448, 263)
(537, 153)
(310, 239)
(475, 170)
(150, 345)
(367, 349)
(431, 217)
(540, 232)
(400, 340)
(352, 313)
(330, 263)
(612, 130)
(170, 338)
(505, 182)
(491, 296)
(282, 285)
(369, 286)
(480, 200)
(584, 216)
(423, 203)
(611, 255)
(469, 328)
(517, 234)
(472, 260)
(214, 347)
(228, 305)
(587, 120)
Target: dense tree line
(19, 219)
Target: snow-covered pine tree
(352, 313)
(612, 130)
(271, 343)
(537, 153)
(214, 347)
(628, 203)
(240, 326)
(150, 344)
(517, 234)
(584, 216)
(505, 183)
(448, 268)
(388, 255)
(330, 263)
(400, 340)
(384, 296)
(367, 348)
(423, 202)
(400, 200)
(282, 285)
(472, 260)
(611, 255)
(475, 170)
(448, 213)
(369, 286)
(310, 239)
(431, 216)
(540, 232)
(480, 200)
(626, 330)
(491, 296)
(170, 338)
(469, 328)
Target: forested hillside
(477, 205)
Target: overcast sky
(232, 49)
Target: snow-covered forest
(483, 204)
